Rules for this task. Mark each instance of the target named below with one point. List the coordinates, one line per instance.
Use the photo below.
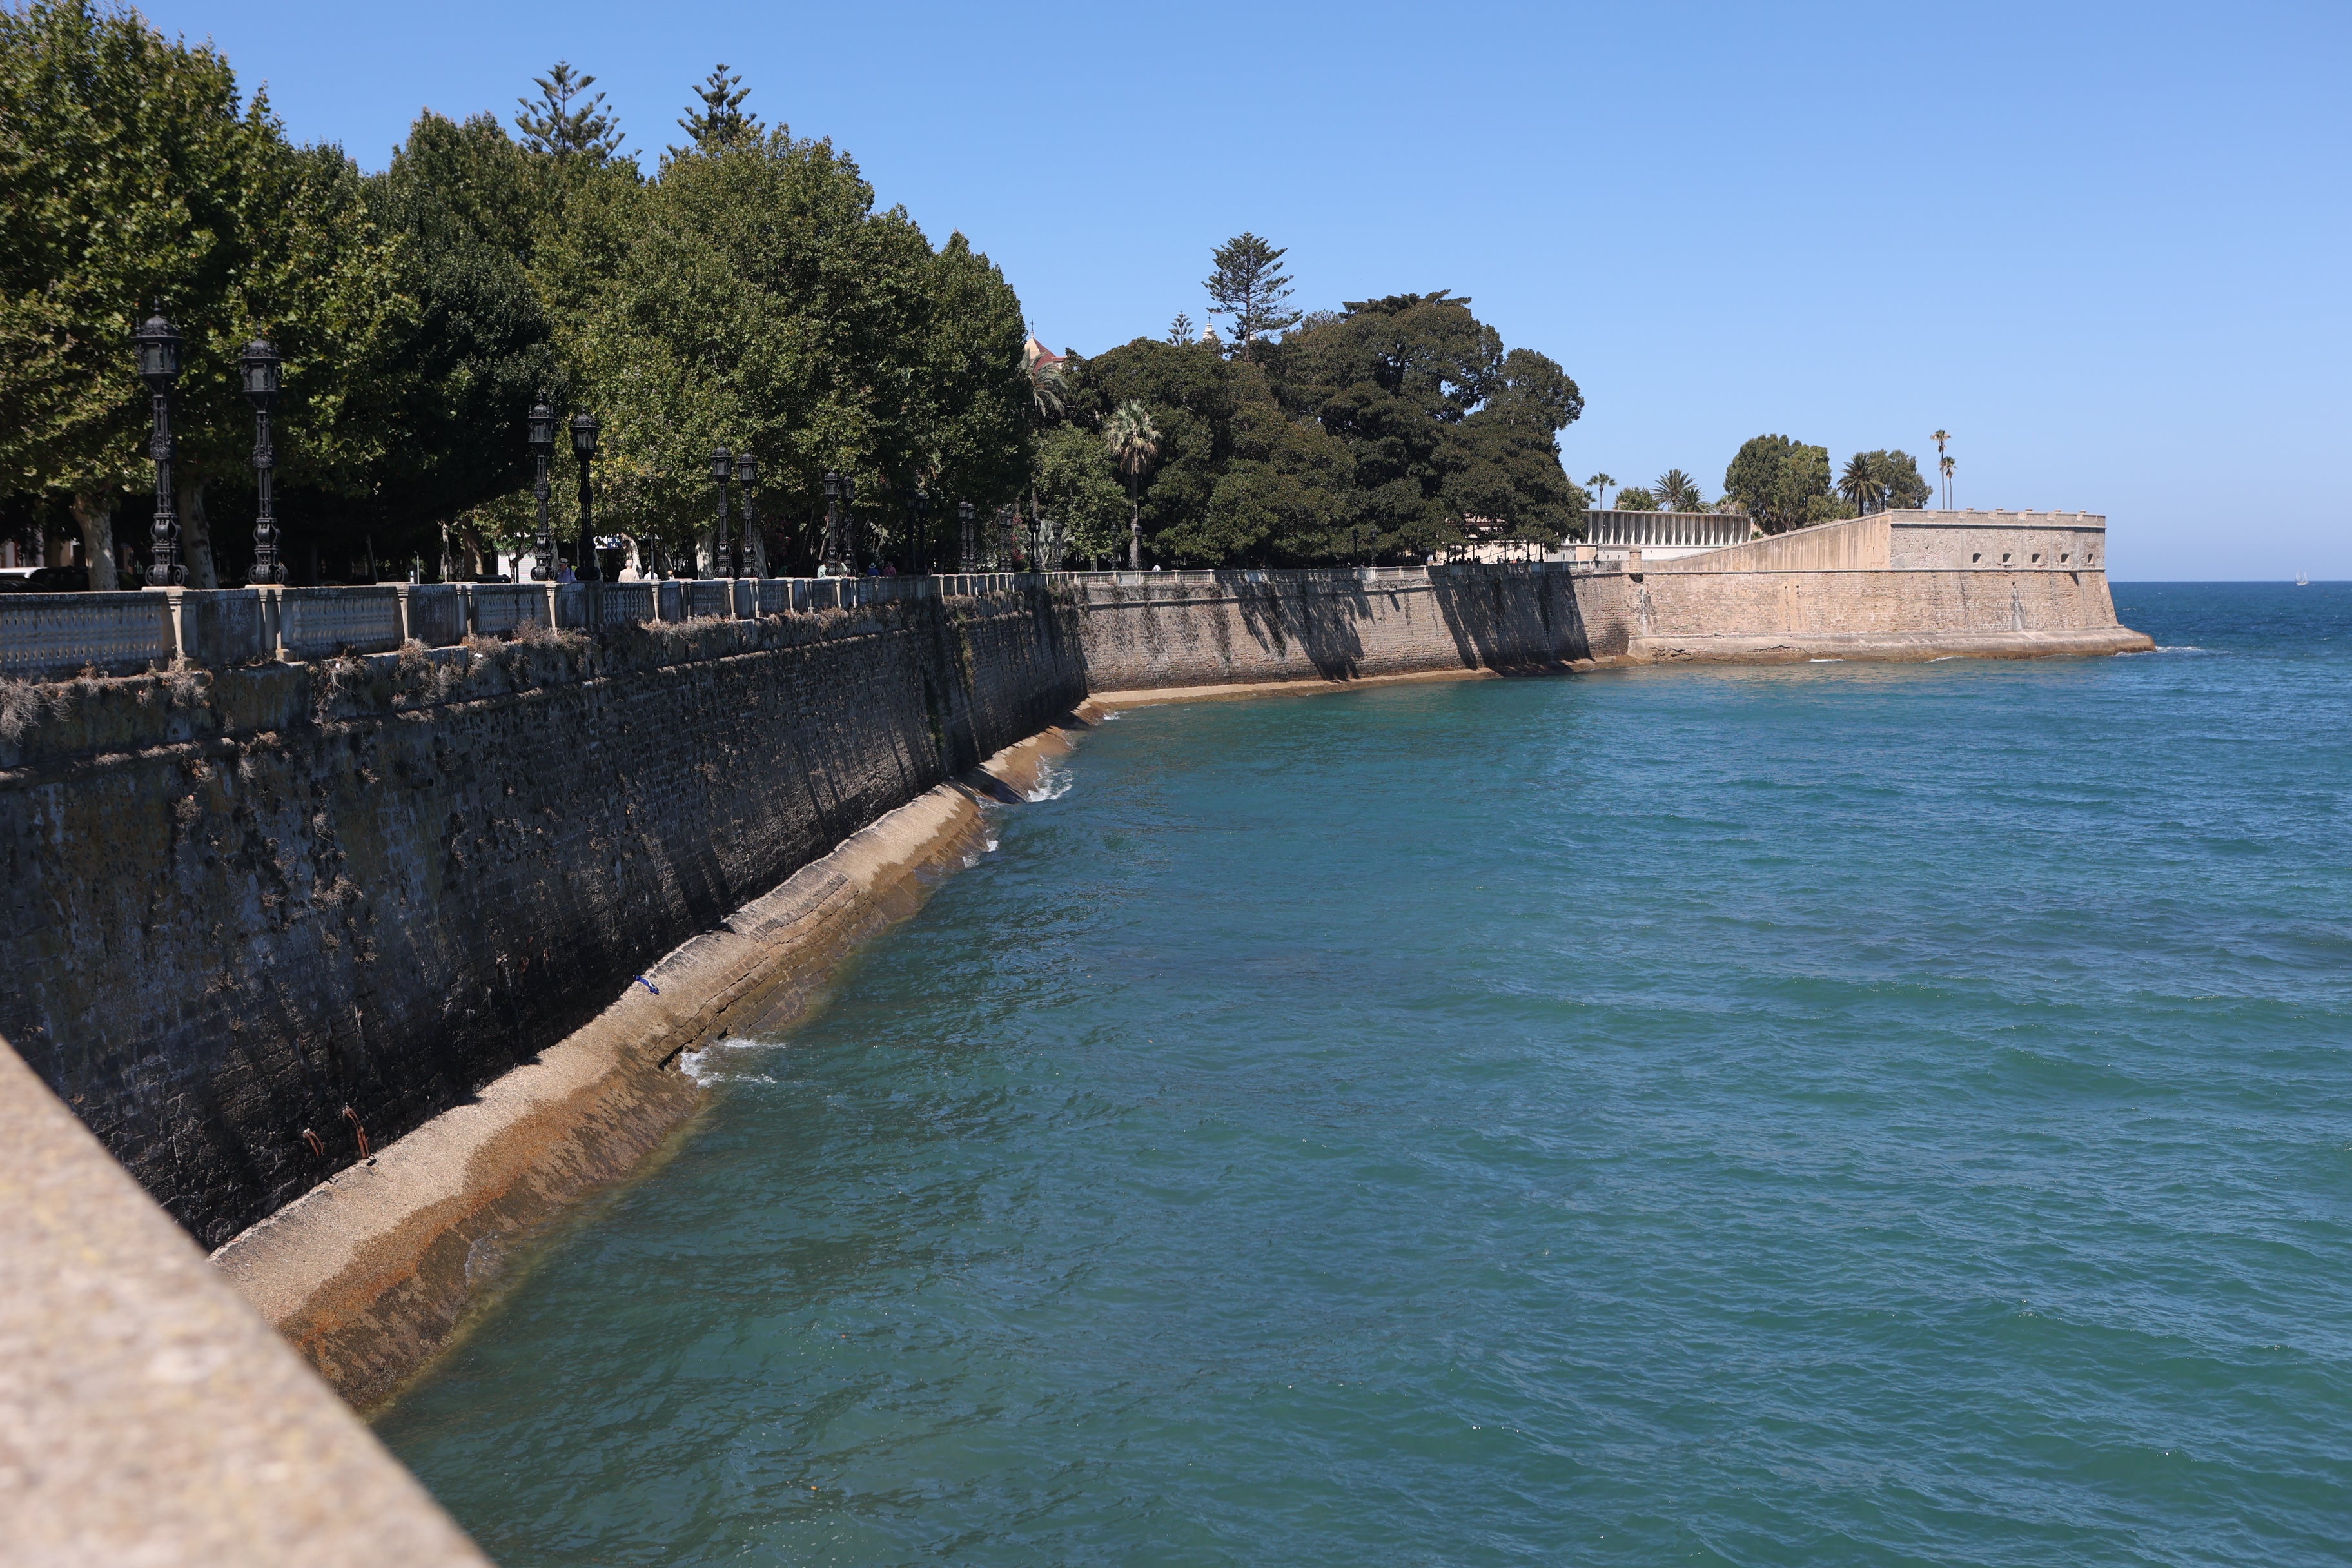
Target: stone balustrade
(49, 636)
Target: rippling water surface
(1827, 1114)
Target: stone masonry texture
(255, 918)
(250, 917)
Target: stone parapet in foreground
(146, 1414)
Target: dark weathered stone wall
(235, 903)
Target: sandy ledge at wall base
(371, 1272)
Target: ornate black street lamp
(831, 565)
(963, 535)
(159, 367)
(747, 474)
(849, 523)
(542, 446)
(583, 446)
(1007, 546)
(722, 469)
(260, 364)
(918, 506)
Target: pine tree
(720, 121)
(552, 125)
(1179, 331)
(1250, 286)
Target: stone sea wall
(1147, 631)
(258, 918)
(269, 905)
(1893, 586)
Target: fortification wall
(1902, 584)
(1764, 616)
(1159, 629)
(1991, 541)
(1875, 587)
(235, 902)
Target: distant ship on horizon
(2301, 581)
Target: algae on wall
(254, 919)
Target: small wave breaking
(708, 1066)
(1053, 784)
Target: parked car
(58, 580)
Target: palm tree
(1678, 491)
(1605, 484)
(1861, 486)
(1133, 441)
(1944, 464)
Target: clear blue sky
(2104, 246)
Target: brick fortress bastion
(282, 893)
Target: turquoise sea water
(1830, 1114)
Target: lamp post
(1007, 545)
(542, 427)
(583, 446)
(260, 364)
(852, 544)
(747, 474)
(830, 565)
(918, 506)
(722, 469)
(159, 367)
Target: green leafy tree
(1179, 331)
(1250, 286)
(464, 205)
(128, 170)
(1678, 491)
(757, 300)
(1238, 479)
(1441, 424)
(983, 395)
(1132, 441)
(716, 120)
(1602, 484)
(1782, 483)
(1899, 480)
(566, 122)
(1635, 497)
(1077, 482)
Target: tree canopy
(748, 293)
(1782, 483)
